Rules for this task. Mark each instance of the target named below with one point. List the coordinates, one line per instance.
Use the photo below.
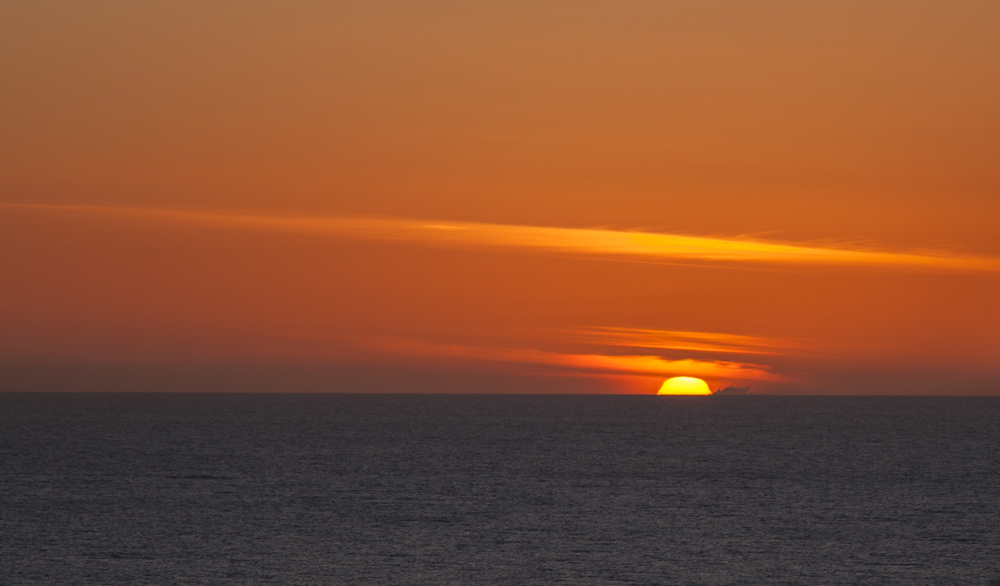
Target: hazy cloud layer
(598, 242)
(593, 363)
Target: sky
(800, 197)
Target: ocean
(498, 489)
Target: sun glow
(684, 385)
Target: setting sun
(684, 385)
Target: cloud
(707, 342)
(585, 363)
(579, 241)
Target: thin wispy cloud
(578, 241)
(585, 363)
(703, 342)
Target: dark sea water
(392, 489)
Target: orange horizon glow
(574, 197)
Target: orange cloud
(690, 341)
(613, 243)
(589, 363)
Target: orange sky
(381, 196)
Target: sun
(684, 385)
